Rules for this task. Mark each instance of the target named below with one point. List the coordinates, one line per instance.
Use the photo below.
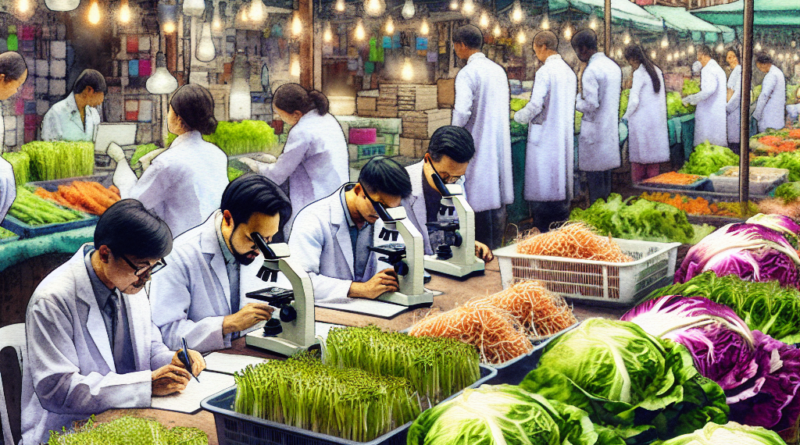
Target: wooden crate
(422, 124)
(413, 148)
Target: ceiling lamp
(521, 37)
(161, 82)
(484, 22)
(389, 26)
(94, 13)
(408, 10)
(297, 25)
(469, 7)
(327, 36)
(424, 29)
(205, 47)
(194, 8)
(374, 8)
(340, 5)
(360, 33)
(497, 31)
(60, 5)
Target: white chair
(13, 336)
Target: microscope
(405, 258)
(456, 257)
(291, 328)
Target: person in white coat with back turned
(734, 105)
(710, 116)
(202, 295)
(91, 344)
(13, 72)
(601, 86)
(770, 108)
(482, 96)
(550, 115)
(315, 158)
(648, 140)
(184, 184)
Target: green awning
(767, 13)
(623, 12)
(681, 19)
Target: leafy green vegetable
(788, 160)
(235, 138)
(789, 192)
(729, 434)
(36, 211)
(59, 160)
(234, 173)
(21, 163)
(128, 430)
(707, 159)
(623, 101)
(518, 104)
(642, 386)
(637, 219)
(506, 414)
(690, 86)
(791, 94)
(578, 120)
(141, 151)
(765, 307)
(675, 105)
(5, 233)
(754, 93)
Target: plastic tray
(239, 429)
(52, 186)
(514, 371)
(597, 282)
(724, 184)
(27, 231)
(700, 185)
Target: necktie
(111, 309)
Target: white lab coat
(68, 369)
(315, 160)
(772, 101)
(183, 185)
(481, 106)
(8, 185)
(320, 244)
(549, 163)
(598, 148)
(734, 105)
(710, 116)
(648, 136)
(62, 122)
(191, 297)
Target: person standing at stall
(315, 158)
(710, 116)
(734, 105)
(482, 98)
(601, 86)
(13, 72)
(91, 344)
(184, 184)
(771, 103)
(550, 115)
(200, 297)
(648, 140)
(75, 118)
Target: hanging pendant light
(653, 54)
(568, 32)
(61, 5)
(327, 35)
(627, 39)
(257, 13)
(720, 48)
(454, 5)
(360, 34)
(593, 23)
(484, 22)
(124, 12)
(758, 46)
(516, 12)
(408, 71)
(194, 8)
(665, 41)
(297, 25)
(216, 22)
(469, 7)
(497, 31)
(243, 14)
(167, 15)
(94, 13)
(161, 82)
(771, 52)
(521, 37)
(545, 23)
(408, 10)
(205, 47)
(24, 9)
(424, 29)
(340, 5)
(690, 49)
(295, 68)
(389, 26)
(374, 8)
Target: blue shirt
(360, 239)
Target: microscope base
(425, 298)
(454, 270)
(275, 344)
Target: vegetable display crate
(8, 239)
(766, 179)
(702, 184)
(239, 429)
(709, 194)
(514, 371)
(597, 282)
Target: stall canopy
(767, 13)
(684, 22)
(623, 13)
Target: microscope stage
(454, 270)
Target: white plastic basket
(614, 284)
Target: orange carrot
(91, 192)
(74, 196)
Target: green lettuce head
(729, 434)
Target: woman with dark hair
(76, 117)
(315, 158)
(733, 106)
(184, 184)
(648, 140)
(13, 73)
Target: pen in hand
(186, 360)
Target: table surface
(456, 293)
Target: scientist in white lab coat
(771, 104)
(13, 72)
(710, 117)
(331, 237)
(601, 86)
(91, 345)
(315, 159)
(75, 117)
(648, 140)
(202, 295)
(550, 115)
(482, 95)
(184, 184)
(734, 106)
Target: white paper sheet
(366, 307)
(189, 400)
(230, 363)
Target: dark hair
(12, 65)
(735, 52)
(127, 228)
(90, 78)
(291, 97)
(195, 106)
(455, 142)
(704, 50)
(548, 39)
(385, 175)
(635, 52)
(763, 57)
(586, 39)
(469, 35)
(251, 193)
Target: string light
(360, 33)
(297, 25)
(423, 29)
(327, 36)
(568, 32)
(340, 5)
(627, 39)
(545, 24)
(653, 54)
(374, 8)
(408, 71)
(521, 37)
(124, 12)
(469, 7)
(23, 6)
(389, 26)
(690, 49)
(665, 41)
(669, 58)
(497, 31)
(484, 22)
(94, 13)
(243, 16)
(169, 27)
(772, 52)
(454, 5)
(295, 68)
(593, 23)
(758, 46)
(720, 48)
(408, 10)
(516, 12)
(257, 12)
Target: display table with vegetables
(32, 216)
(236, 138)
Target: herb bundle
(21, 163)
(59, 160)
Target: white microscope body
(457, 259)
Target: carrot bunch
(573, 240)
(695, 206)
(673, 178)
(89, 197)
(794, 134)
(771, 140)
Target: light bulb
(94, 13)
(408, 10)
(243, 16)
(205, 47)
(194, 8)
(780, 56)
(56, 5)
(516, 12)
(295, 69)
(340, 5)
(758, 46)
(169, 27)
(23, 6)
(327, 36)
(568, 32)
(653, 54)
(497, 30)
(627, 39)
(408, 72)
(772, 52)
(484, 22)
(619, 53)
(423, 29)
(360, 33)
(454, 5)
(683, 53)
(469, 7)
(297, 25)
(374, 8)
(389, 26)
(216, 23)
(257, 12)
(669, 58)
(521, 37)
(720, 48)
(690, 49)
(161, 82)
(545, 24)
(124, 12)
(593, 23)
(665, 41)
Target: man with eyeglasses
(91, 344)
(330, 238)
(201, 296)
(449, 154)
